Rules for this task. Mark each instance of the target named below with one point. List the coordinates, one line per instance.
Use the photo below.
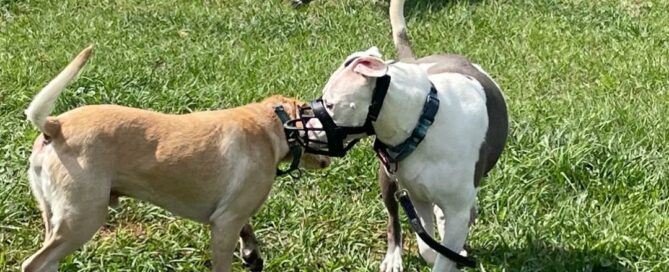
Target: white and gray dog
(462, 145)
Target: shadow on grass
(535, 257)
(419, 8)
(411, 7)
(540, 257)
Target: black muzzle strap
(295, 149)
(378, 96)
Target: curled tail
(400, 38)
(43, 103)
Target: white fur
(393, 261)
(441, 169)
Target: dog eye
(329, 106)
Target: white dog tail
(44, 102)
(399, 26)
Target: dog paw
(463, 252)
(393, 261)
(253, 261)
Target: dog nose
(325, 163)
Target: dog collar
(392, 154)
(291, 137)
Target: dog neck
(403, 104)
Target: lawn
(582, 186)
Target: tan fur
(214, 167)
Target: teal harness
(394, 154)
(295, 149)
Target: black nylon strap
(378, 95)
(295, 150)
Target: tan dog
(213, 167)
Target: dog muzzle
(330, 139)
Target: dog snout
(325, 162)
(313, 161)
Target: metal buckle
(400, 193)
(296, 174)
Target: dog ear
(370, 66)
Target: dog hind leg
(75, 215)
(42, 201)
(441, 223)
(455, 229)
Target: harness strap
(295, 149)
(401, 151)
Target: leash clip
(296, 174)
(400, 193)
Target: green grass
(582, 186)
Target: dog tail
(43, 103)
(399, 26)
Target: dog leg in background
(75, 217)
(393, 260)
(249, 249)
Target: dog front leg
(224, 232)
(393, 260)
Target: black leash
(403, 198)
